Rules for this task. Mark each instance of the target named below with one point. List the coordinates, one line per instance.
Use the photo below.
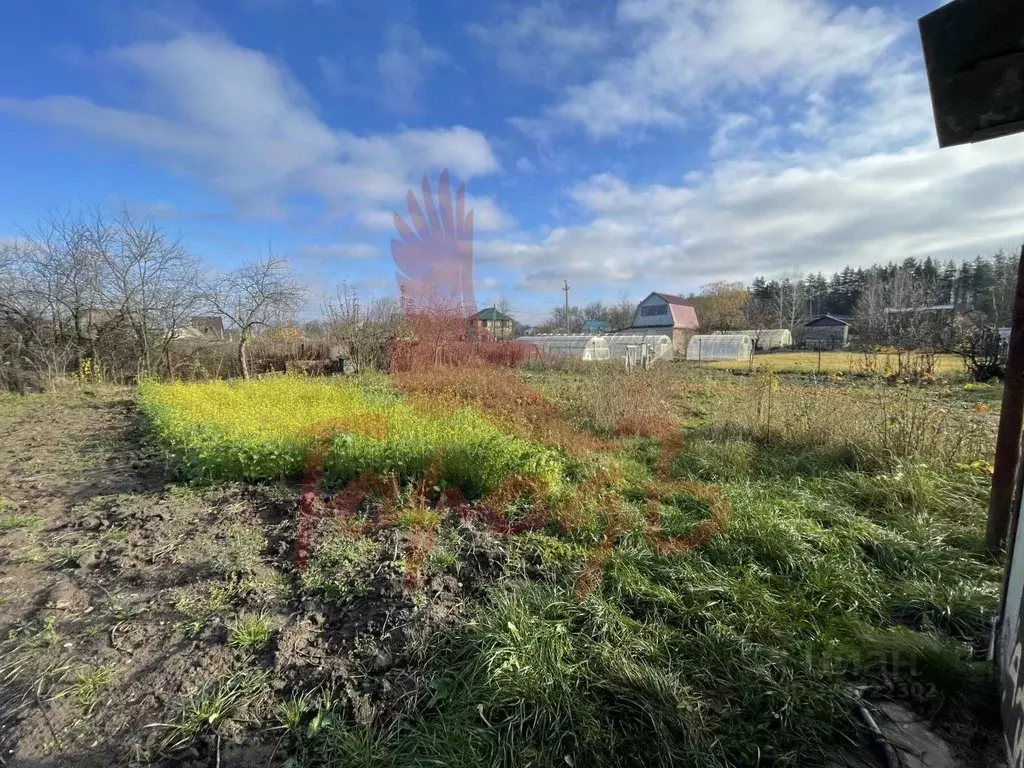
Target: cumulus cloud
(682, 55)
(748, 218)
(820, 148)
(237, 119)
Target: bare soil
(118, 588)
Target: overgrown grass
(267, 429)
(853, 557)
(842, 362)
(868, 426)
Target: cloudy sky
(625, 146)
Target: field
(487, 567)
(845, 363)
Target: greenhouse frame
(660, 344)
(719, 347)
(580, 346)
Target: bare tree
(758, 316)
(153, 283)
(257, 295)
(621, 313)
(789, 303)
(364, 331)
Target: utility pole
(565, 287)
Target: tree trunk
(170, 364)
(242, 357)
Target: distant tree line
(983, 287)
(114, 298)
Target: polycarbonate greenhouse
(579, 346)
(719, 347)
(660, 344)
(775, 338)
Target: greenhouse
(764, 340)
(719, 347)
(580, 346)
(660, 344)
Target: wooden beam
(1000, 502)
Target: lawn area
(670, 567)
(838, 361)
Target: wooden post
(1000, 500)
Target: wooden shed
(826, 332)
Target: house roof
(683, 313)
(678, 301)
(816, 320)
(491, 313)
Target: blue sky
(625, 146)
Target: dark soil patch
(118, 592)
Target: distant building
(596, 326)
(493, 325)
(671, 315)
(209, 326)
(826, 332)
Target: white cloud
(525, 165)
(487, 216)
(746, 218)
(403, 66)
(684, 54)
(236, 118)
(542, 41)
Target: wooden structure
(671, 315)
(826, 332)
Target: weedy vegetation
(685, 567)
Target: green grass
(853, 557)
(222, 706)
(337, 568)
(13, 522)
(92, 683)
(265, 429)
(249, 634)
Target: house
(671, 315)
(209, 326)
(826, 332)
(491, 324)
(596, 326)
